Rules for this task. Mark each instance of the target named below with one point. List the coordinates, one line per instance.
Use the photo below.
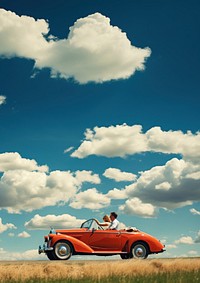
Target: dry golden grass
(15, 271)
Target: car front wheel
(125, 256)
(139, 250)
(50, 255)
(62, 250)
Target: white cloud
(24, 234)
(68, 149)
(166, 186)
(171, 246)
(13, 160)
(91, 199)
(63, 221)
(36, 190)
(120, 140)
(27, 255)
(185, 240)
(22, 36)
(194, 211)
(118, 175)
(2, 99)
(123, 140)
(94, 50)
(4, 227)
(117, 194)
(136, 207)
(87, 176)
(193, 253)
(197, 240)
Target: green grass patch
(162, 277)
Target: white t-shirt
(114, 224)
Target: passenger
(106, 222)
(114, 222)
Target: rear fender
(79, 246)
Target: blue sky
(99, 111)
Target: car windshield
(87, 224)
(91, 224)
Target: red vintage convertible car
(91, 239)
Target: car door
(105, 240)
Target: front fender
(155, 246)
(79, 246)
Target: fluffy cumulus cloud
(13, 160)
(4, 227)
(93, 51)
(26, 189)
(120, 140)
(91, 199)
(2, 99)
(163, 186)
(87, 176)
(118, 175)
(123, 140)
(136, 207)
(22, 36)
(167, 186)
(56, 221)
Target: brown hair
(106, 218)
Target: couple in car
(110, 223)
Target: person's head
(106, 218)
(113, 216)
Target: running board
(109, 252)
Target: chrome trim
(44, 249)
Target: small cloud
(11, 234)
(194, 211)
(197, 240)
(4, 227)
(2, 99)
(171, 246)
(118, 175)
(185, 240)
(192, 253)
(24, 234)
(68, 149)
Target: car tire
(125, 256)
(139, 250)
(50, 255)
(62, 250)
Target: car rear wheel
(139, 250)
(62, 250)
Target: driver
(114, 222)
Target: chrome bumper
(44, 249)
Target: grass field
(139, 271)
